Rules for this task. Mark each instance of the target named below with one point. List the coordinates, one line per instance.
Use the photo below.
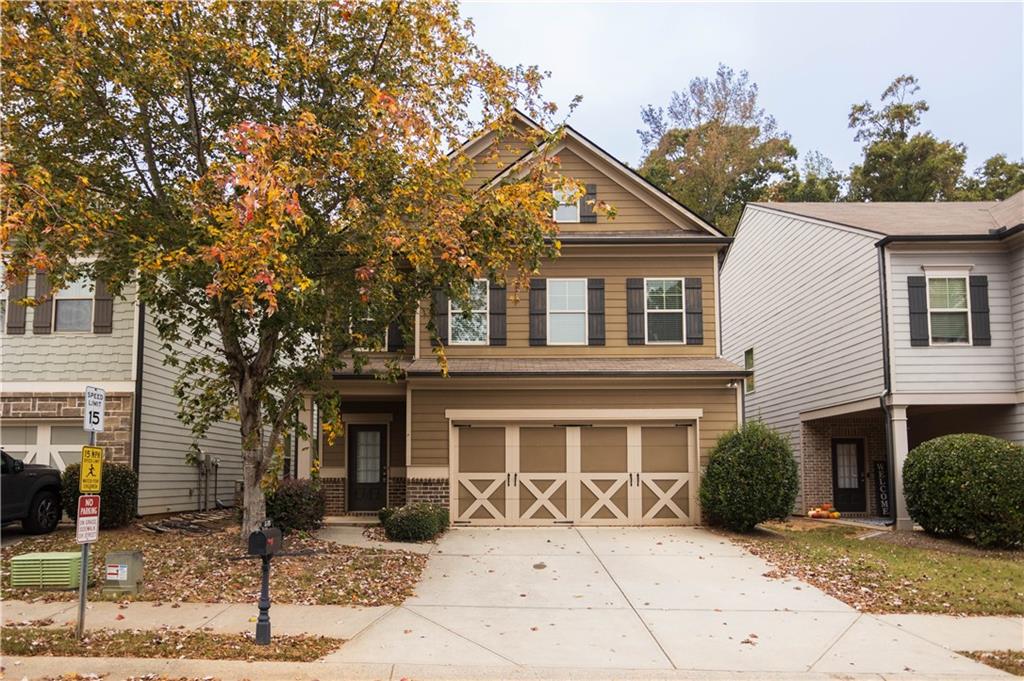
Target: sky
(811, 61)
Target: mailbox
(265, 542)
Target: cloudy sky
(811, 62)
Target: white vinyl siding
(806, 296)
(943, 368)
(1017, 307)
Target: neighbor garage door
(51, 444)
(541, 474)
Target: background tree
(817, 180)
(262, 174)
(715, 149)
(899, 164)
(997, 179)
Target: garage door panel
(543, 497)
(542, 450)
(603, 449)
(482, 450)
(482, 498)
(665, 497)
(663, 449)
(604, 497)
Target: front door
(367, 468)
(848, 476)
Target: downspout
(886, 376)
(137, 402)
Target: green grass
(881, 576)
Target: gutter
(569, 239)
(137, 402)
(993, 235)
(587, 374)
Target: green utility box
(55, 570)
(123, 570)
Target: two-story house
(870, 328)
(592, 397)
(81, 336)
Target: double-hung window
(567, 311)
(665, 311)
(748, 364)
(469, 326)
(566, 211)
(370, 339)
(949, 319)
(73, 307)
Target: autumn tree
(816, 180)
(714, 148)
(260, 174)
(900, 164)
(996, 179)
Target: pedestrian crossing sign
(91, 473)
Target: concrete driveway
(632, 598)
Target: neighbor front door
(367, 468)
(848, 476)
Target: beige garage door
(536, 474)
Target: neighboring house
(872, 327)
(593, 397)
(84, 336)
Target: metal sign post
(89, 477)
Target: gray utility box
(123, 571)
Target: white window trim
(566, 222)
(948, 274)
(486, 312)
(746, 379)
(92, 317)
(585, 311)
(682, 281)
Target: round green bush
(415, 522)
(119, 493)
(297, 505)
(968, 486)
(751, 477)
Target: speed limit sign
(95, 398)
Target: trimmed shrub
(751, 477)
(385, 513)
(297, 505)
(119, 493)
(968, 486)
(415, 522)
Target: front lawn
(205, 567)
(887, 574)
(35, 640)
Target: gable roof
(915, 218)
(628, 178)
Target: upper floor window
(72, 307)
(469, 326)
(567, 311)
(748, 364)
(665, 311)
(370, 338)
(948, 311)
(566, 212)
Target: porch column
(900, 449)
(305, 449)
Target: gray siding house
(871, 328)
(83, 336)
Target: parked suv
(30, 493)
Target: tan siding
(334, 454)
(430, 428)
(614, 267)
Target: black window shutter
(103, 315)
(917, 295)
(396, 343)
(16, 312)
(981, 330)
(588, 203)
(635, 311)
(42, 316)
(440, 317)
(595, 311)
(498, 324)
(694, 312)
(538, 312)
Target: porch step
(352, 520)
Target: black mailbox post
(264, 543)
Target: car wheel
(43, 513)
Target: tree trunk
(254, 463)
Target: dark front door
(848, 475)
(367, 468)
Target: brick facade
(434, 491)
(116, 438)
(396, 491)
(816, 442)
(335, 490)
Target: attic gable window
(949, 318)
(566, 212)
